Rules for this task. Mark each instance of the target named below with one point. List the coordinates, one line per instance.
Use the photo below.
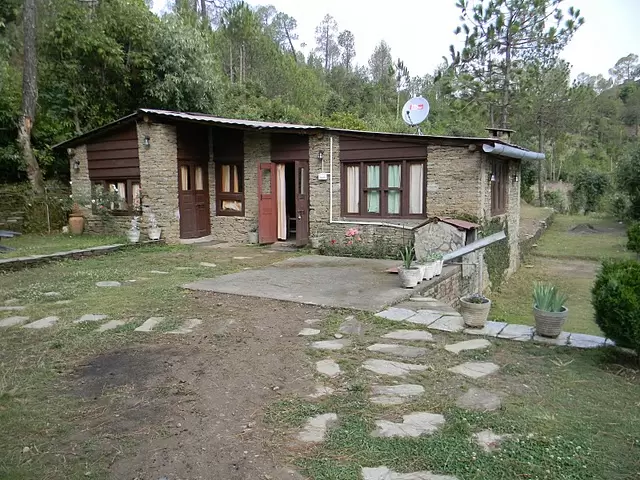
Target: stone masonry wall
(159, 178)
(450, 287)
(257, 149)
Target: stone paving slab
(328, 367)
(12, 321)
(42, 323)
(149, 324)
(479, 400)
(424, 318)
(582, 340)
(394, 369)
(475, 344)
(351, 326)
(396, 314)
(398, 350)
(159, 272)
(383, 473)
(475, 369)
(520, 333)
(561, 340)
(308, 332)
(490, 329)
(110, 325)
(321, 391)
(316, 428)
(62, 302)
(186, 327)
(51, 294)
(410, 335)
(12, 308)
(489, 441)
(448, 324)
(394, 394)
(412, 425)
(207, 264)
(108, 284)
(90, 317)
(331, 344)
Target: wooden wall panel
(114, 155)
(193, 142)
(364, 149)
(289, 148)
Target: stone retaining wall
(449, 287)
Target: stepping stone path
(242, 258)
(108, 284)
(410, 335)
(322, 391)
(11, 321)
(328, 367)
(159, 272)
(308, 332)
(475, 344)
(413, 425)
(398, 350)
(331, 344)
(90, 317)
(316, 428)
(351, 326)
(475, 369)
(520, 333)
(383, 473)
(448, 323)
(207, 264)
(312, 321)
(110, 325)
(52, 294)
(395, 394)
(62, 302)
(561, 340)
(581, 340)
(490, 329)
(13, 308)
(187, 327)
(394, 369)
(479, 400)
(42, 323)
(396, 314)
(489, 441)
(149, 324)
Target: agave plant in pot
(548, 309)
(409, 275)
(475, 310)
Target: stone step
(404, 351)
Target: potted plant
(134, 231)
(422, 266)
(548, 309)
(155, 231)
(409, 275)
(76, 220)
(437, 257)
(475, 310)
(431, 266)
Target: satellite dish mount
(415, 111)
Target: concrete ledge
(19, 263)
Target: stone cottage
(214, 178)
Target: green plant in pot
(475, 310)
(409, 274)
(549, 310)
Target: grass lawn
(572, 415)
(32, 244)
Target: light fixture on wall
(147, 141)
(76, 164)
(320, 155)
(516, 179)
(492, 177)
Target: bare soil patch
(194, 405)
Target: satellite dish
(415, 111)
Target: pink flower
(333, 242)
(352, 232)
(359, 239)
(349, 242)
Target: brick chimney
(503, 134)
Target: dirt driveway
(194, 406)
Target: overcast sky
(420, 31)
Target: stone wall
(159, 178)
(450, 286)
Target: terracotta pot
(549, 324)
(474, 314)
(76, 224)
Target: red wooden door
(267, 204)
(193, 197)
(302, 203)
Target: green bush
(616, 301)
(628, 179)
(589, 186)
(618, 206)
(633, 236)
(527, 194)
(555, 199)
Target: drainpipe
(347, 222)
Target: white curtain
(373, 181)
(353, 189)
(135, 194)
(282, 201)
(416, 188)
(393, 200)
(226, 178)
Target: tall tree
(403, 78)
(382, 72)
(626, 68)
(29, 95)
(502, 33)
(326, 44)
(347, 43)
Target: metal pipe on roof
(477, 245)
(512, 152)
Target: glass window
(229, 189)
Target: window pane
(373, 201)
(416, 188)
(373, 176)
(301, 181)
(394, 176)
(266, 181)
(225, 183)
(135, 195)
(236, 179)
(199, 179)
(353, 189)
(231, 205)
(393, 202)
(185, 181)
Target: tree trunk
(231, 62)
(203, 13)
(293, 50)
(29, 96)
(540, 186)
(326, 50)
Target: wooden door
(302, 203)
(193, 196)
(267, 203)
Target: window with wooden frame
(499, 186)
(383, 189)
(230, 189)
(123, 196)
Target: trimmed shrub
(555, 199)
(616, 301)
(589, 186)
(633, 236)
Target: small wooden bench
(7, 234)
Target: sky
(420, 31)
